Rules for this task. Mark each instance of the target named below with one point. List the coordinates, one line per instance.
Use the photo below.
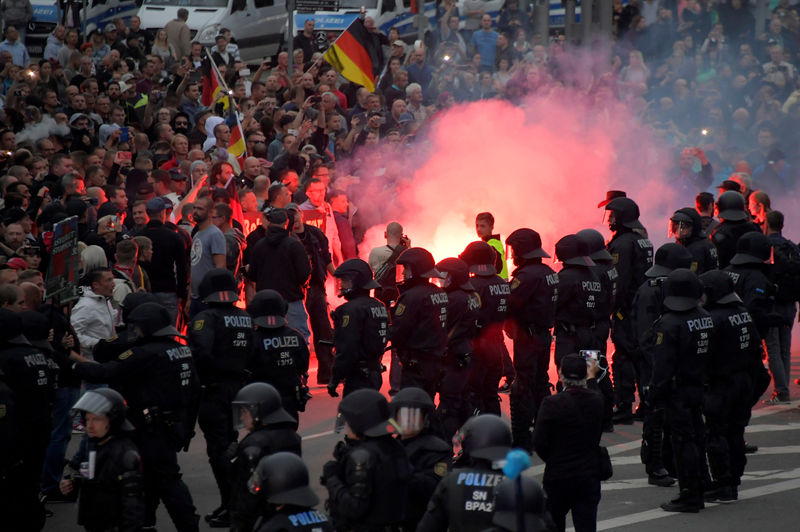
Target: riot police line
(688, 340)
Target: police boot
(749, 448)
(219, 518)
(623, 414)
(687, 502)
(660, 477)
(726, 493)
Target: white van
(255, 24)
(45, 19)
(155, 14)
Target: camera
(315, 100)
(590, 354)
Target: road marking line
(749, 476)
(318, 435)
(751, 429)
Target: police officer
(463, 307)
(489, 348)
(418, 327)
(368, 479)
(271, 429)
(464, 499)
(735, 354)
(27, 373)
(750, 273)
(282, 479)
(633, 255)
(280, 353)
(112, 487)
(221, 339)
(579, 290)
(360, 330)
(525, 505)
(158, 378)
(647, 307)
(607, 273)
(11, 462)
(429, 455)
(109, 348)
(682, 347)
(686, 226)
(531, 311)
(735, 223)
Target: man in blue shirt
(484, 42)
(12, 44)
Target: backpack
(786, 271)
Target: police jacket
(419, 319)
(168, 270)
(27, 371)
(607, 274)
(9, 429)
(114, 498)
(493, 292)
(579, 289)
(647, 306)
(263, 441)
(280, 358)
(296, 519)
(221, 339)
(725, 236)
(157, 377)
(318, 251)
(279, 262)
(735, 342)
(704, 254)
(757, 293)
(430, 458)
(633, 255)
(463, 312)
(532, 302)
(680, 354)
(463, 500)
(368, 489)
(568, 431)
(360, 328)
(61, 326)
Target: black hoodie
(279, 262)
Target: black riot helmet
(456, 274)
(133, 300)
(530, 500)
(419, 263)
(105, 402)
(359, 274)
(526, 244)
(480, 257)
(731, 206)
(572, 250)
(11, 328)
(487, 437)
(268, 309)
(685, 224)
(366, 411)
(626, 213)
(219, 286)
(669, 257)
(719, 288)
(36, 328)
(752, 248)
(410, 407)
(263, 402)
(282, 478)
(596, 243)
(682, 290)
(153, 320)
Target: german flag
(349, 56)
(236, 145)
(212, 85)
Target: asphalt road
(769, 495)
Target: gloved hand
(330, 469)
(332, 389)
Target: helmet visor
(244, 416)
(678, 229)
(410, 419)
(94, 403)
(443, 282)
(400, 273)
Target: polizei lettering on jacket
(177, 353)
(439, 298)
(307, 518)
(378, 312)
(481, 480)
(700, 324)
(500, 289)
(238, 321)
(281, 342)
(740, 319)
(591, 286)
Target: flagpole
(221, 79)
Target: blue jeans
(169, 300)
(298, 319)
(779, 345)
(59, 439)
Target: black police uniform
(296, 518)
(245, 507)
(463, 306)
(734, 354)
(430, 458)
(633, 255)
(221, 339)
(28, 373)
(419, 333)
(579, 290)
(15, 503)
(360, 329)
(704, 252)
(531, 312)
(680, 354)
(158, 378)
(752, 284)
(727, 234)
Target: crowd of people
(202, 273)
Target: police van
(155, 14)
(98, 14)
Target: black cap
(268, 309)
(719, 288)
(573, 367)
(610, 195)
(277, 216)
(526, 243)
(682, 290)
(572, 250)
(155, 206)
(669, 257)
(752, 248)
